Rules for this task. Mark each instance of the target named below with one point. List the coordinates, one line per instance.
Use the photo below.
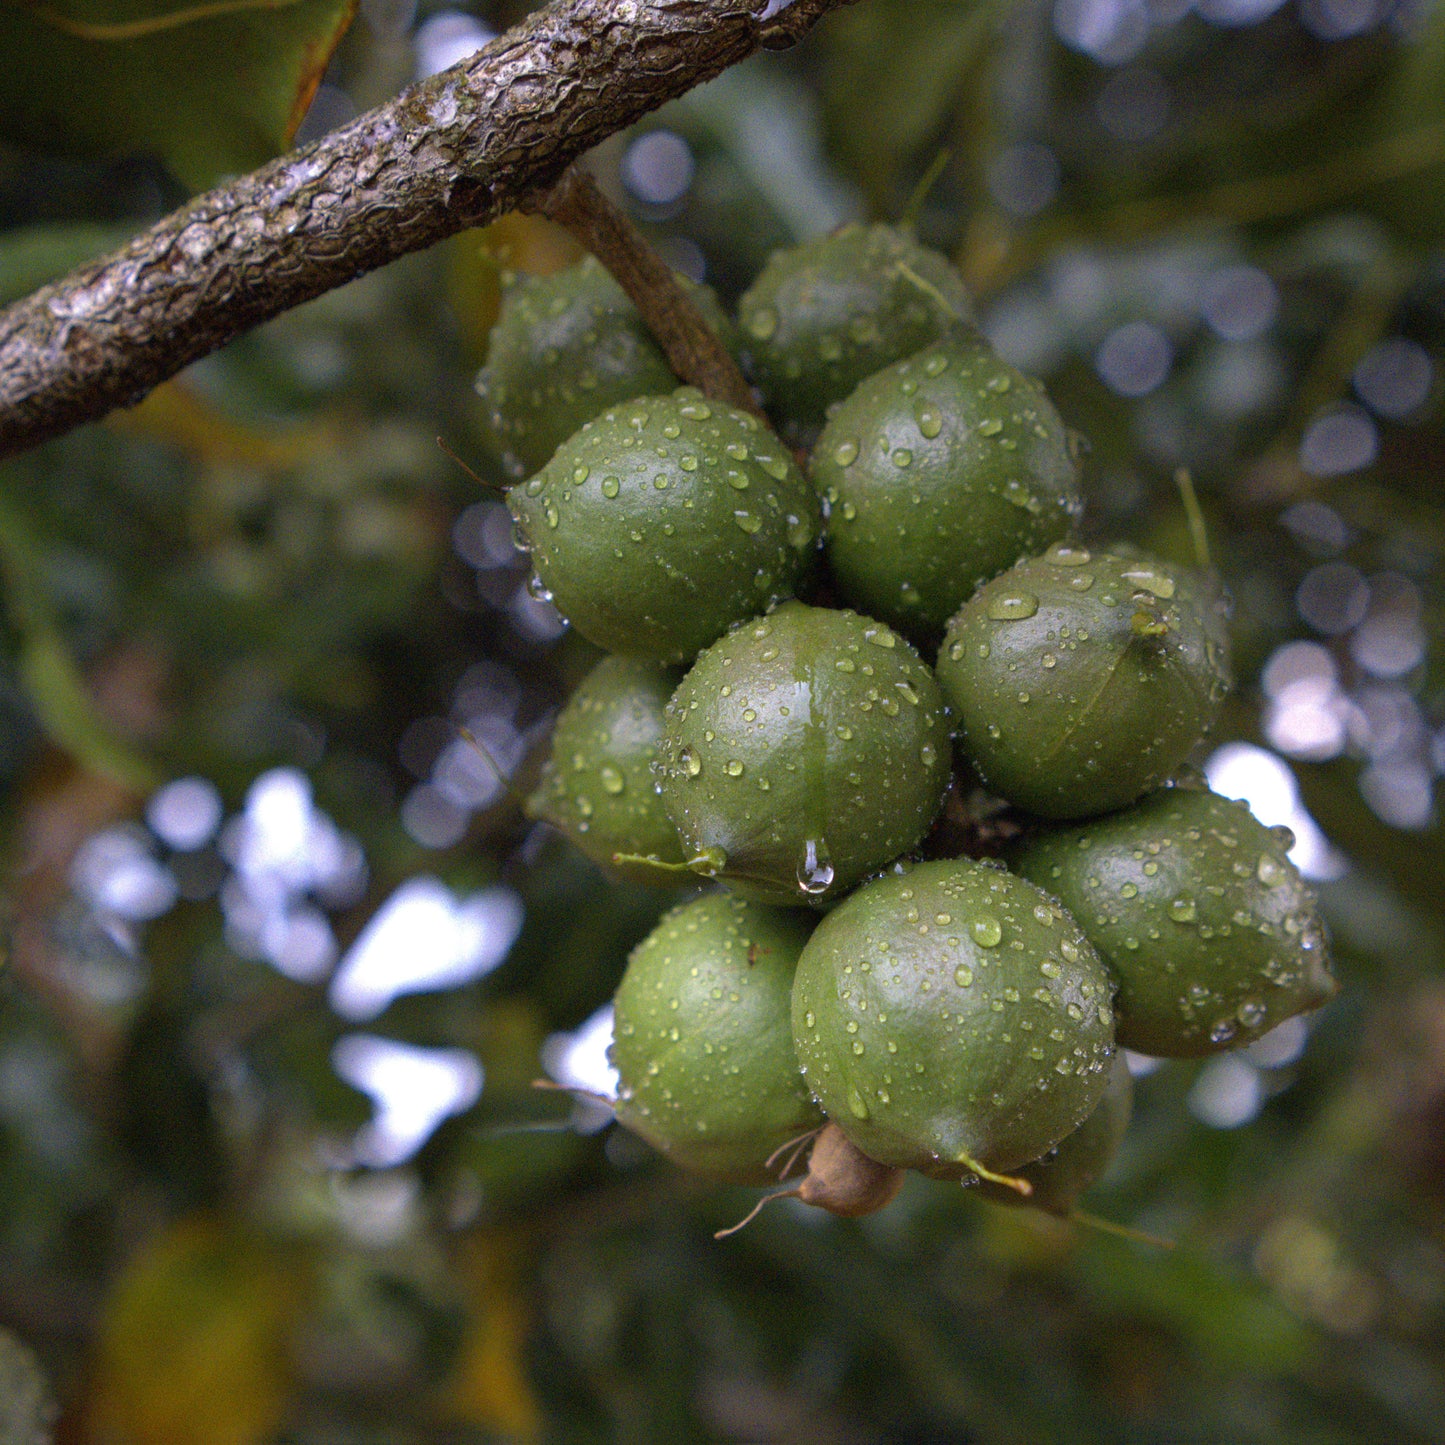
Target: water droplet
(552, 517)
(748, 522)
(857, 1104)
(930, 423)
(845, 453)
(1012, 606)
(880, 637)
(762, 323)
(815, 867)
(845, 664)
(612, 780)
(800, 533)
(987, 931)
(936, 364)
(963, 976)
(1251, 1013)
(902, 457)
(1270, 871)
(738, 451)
(1050, 969)
(990, 427)
(1182, 910)
(1157, 584)
(734, 768)
(1221, 1031)
(929, 754)
(691, 763)
(611, 486)
(1017, 494)
(775, 467)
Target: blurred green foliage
(1215, 233)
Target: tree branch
(454, 151)
(672, 316)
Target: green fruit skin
(597, 786)
(702, 1043)
(940, 472)
(953, 1009)
(804, 750)
(665, 521)
(1197, 911)
(1079, 681)
(564, 349)
(1065, 1173)
(822, 316)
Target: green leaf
(26, 1408)
(210, 86)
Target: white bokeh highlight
(424, 938)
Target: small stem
(495, 487)
(1009, 1181)
(705, 863)
(929, 290)
(553, 1087)
(688, 342)
(1122, 1231)
(796, 1145)
(926, 183)
(753, 1213)
(1198, 533)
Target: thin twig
(692, 349)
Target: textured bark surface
(454, 151)
(676, 324)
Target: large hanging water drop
(815, 867)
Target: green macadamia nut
(566, 347)
(701, 1038)
(939, 472)
(1079, 680)
(823, 315)
(804, 750)
(665, 521)
(951, 1016)
(597, 785)
(1078, 1161)
(1199, 914)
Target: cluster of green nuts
(768, 721)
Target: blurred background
(284, 954)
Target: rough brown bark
(672, 317)
(454, 151)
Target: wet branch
(454, 151)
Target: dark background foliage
(284, 956)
